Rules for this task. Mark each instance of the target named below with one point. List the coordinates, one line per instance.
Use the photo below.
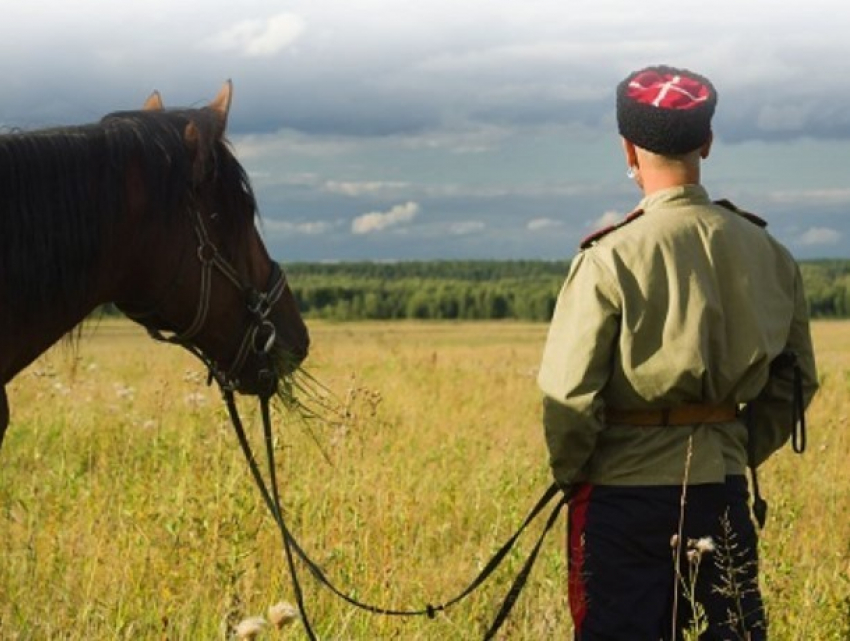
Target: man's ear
(705, 150)
(630, 153)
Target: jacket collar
(672, 196)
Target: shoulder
(756, 220)
(595, 237)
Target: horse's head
(210, 284)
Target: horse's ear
(153, 103)
(221, 105)
(201, 134)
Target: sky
(458, 129)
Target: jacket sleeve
(771, 413)
(576, 365)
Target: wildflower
(124, 391)
(195, 399)
(704, 545)
(282, 614)
(249, 628)
(61, 389)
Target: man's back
(707, 299)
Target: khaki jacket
(686, 303)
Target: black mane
(63, 190)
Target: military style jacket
(687, 302)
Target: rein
(292, 548)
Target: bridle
(259, 336)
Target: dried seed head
(674, 541)
(282, 614)
(704, 545)
(249, 628)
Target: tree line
(485, 290)
(438, 290)
(482, 289)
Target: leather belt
(679, 415)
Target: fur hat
(665, 110)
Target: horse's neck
(21, 343)
(4, 414)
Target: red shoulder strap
(593, 238)
(727, 204)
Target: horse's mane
(63, 191)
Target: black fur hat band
(666, 110)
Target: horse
(148, 210)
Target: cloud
(820, 236)
(466, 227)
(606, 220)
(542, 224)
(259, 38)
(785, 117)
(829, 196)
(378, 221)
(362, 188)
(313, 228)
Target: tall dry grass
(127, 512)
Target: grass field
(127, 511)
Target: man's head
(664, 116)
(666, 110)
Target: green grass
(128, 512)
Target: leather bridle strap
(210, 257)
(260, 309)
(260, 335)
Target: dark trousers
(623, 573)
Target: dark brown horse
(151, 211)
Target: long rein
(293, 548)
(259, 338)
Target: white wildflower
(124, 391)
(249, 628)
(282, 614)
(61, 389)
(704, 545)
(196, 399)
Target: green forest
(485, 290)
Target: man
(668, 326)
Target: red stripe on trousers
(575, 579)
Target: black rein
(292, 548)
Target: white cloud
(820, 236)
(833, 196)
(313, 228)
(542, 224)
(361, 188)
(466, 227)
(259, 38)
(606, 220)
(378, 221)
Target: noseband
(259, 336)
